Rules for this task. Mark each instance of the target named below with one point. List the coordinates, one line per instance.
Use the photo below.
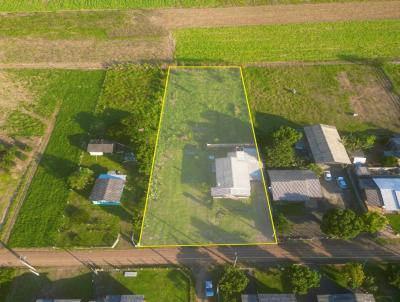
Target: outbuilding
(108, 189)
(99, 147)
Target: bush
(373, 222)
(354, 142)
(280, 153)
(341, 223)
(232, 282)
(7, 157)
(353, 275)
(80, 179)
(301, 278)
(389, 161)
(394, 275)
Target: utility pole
(236, 258)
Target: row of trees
(346, 224)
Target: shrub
(389, 161)
(394, 275)
(301, 278)
(354, 142)
(341, 223)
(373, 222)
(353, 275)
(7, 157)
(80, 179)
(232, 282)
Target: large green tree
(80, 179)
(232, 282)
(341, 223)
(373, 222)
(301, 278)
(280, 152)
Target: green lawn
(289, 42)
(291, 209)
(270, 280)
(201, 106)
(22, 286)
(393, 72)
(37, 5)
(394, 221)
(41, 215)
(325, 94)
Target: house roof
(100, 145)
(125, 298)
(390, 191)
(58, 300)
(294, 185)
(108, 187)
(346, 298)
(269, 298)
(370, 190)
(326, 145)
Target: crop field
(201, 106)
(38, 5)
(325, 94)
(291, 42)
(41, 215)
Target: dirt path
(277, 14)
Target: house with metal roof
(123, 298)
(294, 185)
(108, 189)
(389, 188)
(326, 145)
(58, 300)
(235, 173)
(99, 147)
(370, 193)
(269, 298)
(346, 298)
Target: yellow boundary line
(154, 156)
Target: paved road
(309, 252)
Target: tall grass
(41, 214)
(290, 42)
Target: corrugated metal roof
(326, 145)
(100, 145)
(125, 298)
(294, 185)
(269, 298)
(390, 191)
(346, 298)
(108, 187)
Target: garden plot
(206, 186)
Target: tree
(7, 157)
(353, 274)
(394, 275)
(354, 142)
(280, 152)
(80, 179)
(373, 222)
(389, 161)
(232, 282)
(341, 223)
(301, 278)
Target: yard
(202, 105)
(22, 286)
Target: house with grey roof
(325, 145)
(108, 189)
(99, 147)
(123, 298)
(294, 185)
(235, 172)
(269, 298)
(346, 298)
(58, 300)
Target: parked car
(209, 289)
(327, 175)
(341, 182)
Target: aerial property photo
(207, 186)
(200, 151)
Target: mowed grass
(325, 94)
(289, 42)
(42, 211)
(201, 106)
(38, 5)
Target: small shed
(108, 189)
(99, 147)
(269, 298)
(124, 298)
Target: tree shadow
(58, 167)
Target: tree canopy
(280, 152)
(373, 222)
(80, 179)
(394, 275)
(301, 278)
(341, 223)
(232, 282)
(353, 274)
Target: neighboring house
(108, 189)
(346, 298)
(235, 172)
(393, 147)
(370, 193)
(325, 145)
(294, 185)
(99, 147)
(58, 300)
(389, 188)
(269, 298)
(123, 298)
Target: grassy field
(37, 5)
(42, 213)
(325, 94)
(22, 286)
(291, 42)
(201, 106)
(393, 72)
